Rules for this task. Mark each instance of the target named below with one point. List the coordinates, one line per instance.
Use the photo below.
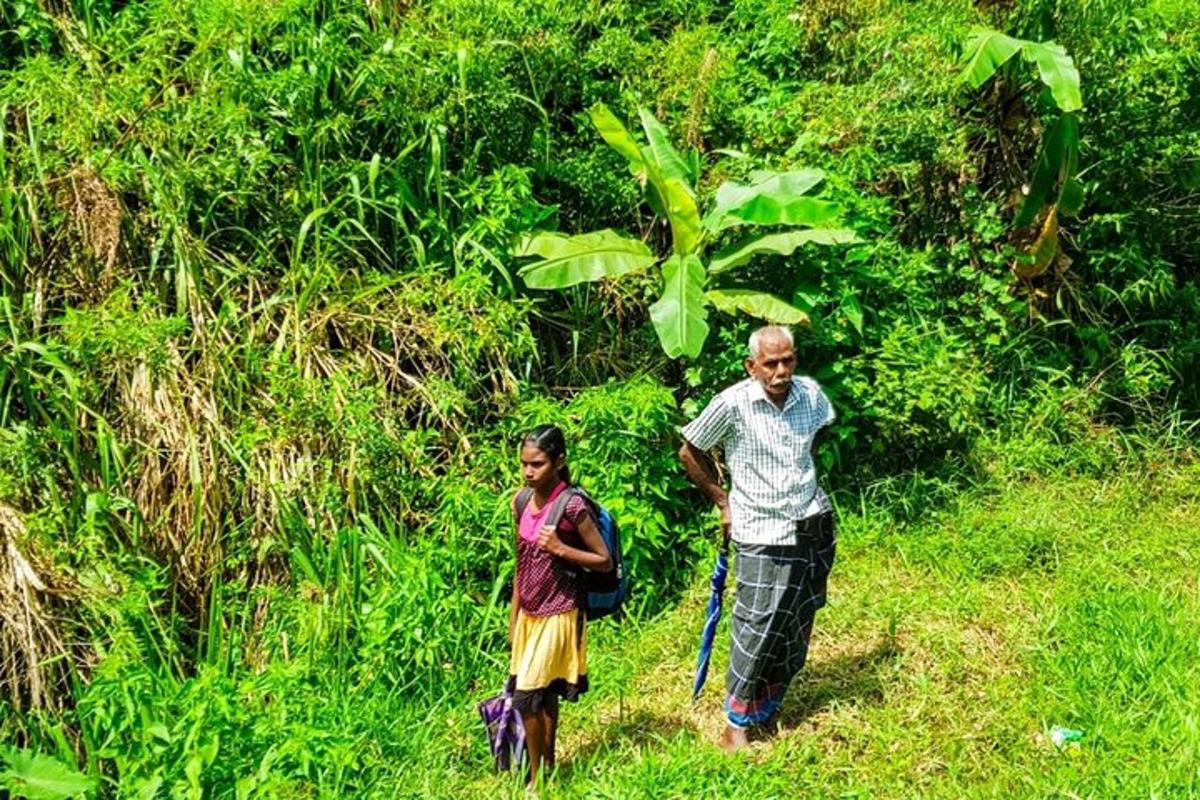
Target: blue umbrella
(717, 585)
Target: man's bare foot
(761, 733)
(733, 739)
(768, 729)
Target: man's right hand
(726, 523)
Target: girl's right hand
(548, 540)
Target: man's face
(774, 367)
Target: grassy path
(947, 651)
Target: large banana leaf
(682, 215)
(679, 315)
(757, 304)
(662, 172)
(783, 244)
(1056, 164)
(1070, 199)
(568, 260)
(1057, 71)
(664, 155)
(617, 136)
(772, 198)
(987, 51)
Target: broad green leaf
(798, 181)
(783, 244)
(986, 52)
(853, 310)
(147, 789)
(772, 198)
(40, 777)
(682, 215)
(667, 195)
(673, 201)
(1056, 162)
(1057, 71)
(1070, 199)
(808, 212)
(617, 136)
(660, 151)
(679, 315)
(653, 198)
(568, 260)
(808, 296)
(757, 304)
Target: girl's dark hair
(550, 440)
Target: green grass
(264, 361)
(948, 650)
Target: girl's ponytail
(550, 440)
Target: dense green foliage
(266, 354)
(668, 183)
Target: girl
(546, 628)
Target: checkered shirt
(769, 454)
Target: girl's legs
(552, 733)
(535, 742)
(540, 731)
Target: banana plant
(1054, 187)
(774, 208)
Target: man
(779, 519)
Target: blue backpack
(604, 592)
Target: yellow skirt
(549, 659)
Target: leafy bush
(266, 359)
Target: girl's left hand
(548, 540)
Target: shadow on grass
(636, 729)
(853, 677)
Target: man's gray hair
(767, 333)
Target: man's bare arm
(703, 472)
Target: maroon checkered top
(547, 584)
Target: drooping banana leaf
(986, 52)
(679, 315)
(784, 244)
(568, 260)
(661, 171)
(756, 304)
(772, 198)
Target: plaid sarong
(779, 589)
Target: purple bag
(505, 730)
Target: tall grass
(263, 356)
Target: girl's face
(540, 471)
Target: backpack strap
(520, 502)
(558, 508)
(554, 516)
(589, 501)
